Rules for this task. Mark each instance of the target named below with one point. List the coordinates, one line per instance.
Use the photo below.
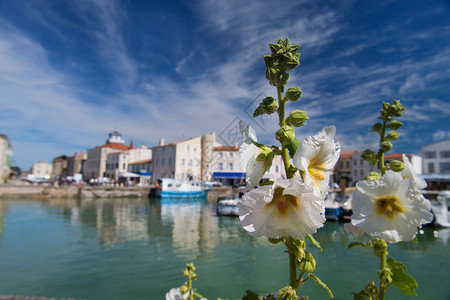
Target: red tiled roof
(395, 155)
(115, 146)
(348, 154)
(141, 162)
(226, 148)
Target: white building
(436, 158)
(184, 160)
(117, 162)
(5, 157)
(42, 169)
(95, 165)
(360, 168)
(227, 166)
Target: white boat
(337, 210)
(228, 206)
(169, 187)
(440, 209)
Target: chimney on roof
(131, 145)
(161, 142)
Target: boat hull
(181, 194)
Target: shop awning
(128, 175)
(229, 175)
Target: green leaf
(320, 283)
(314, 242)
(249, 295)
(267, 183)
(353, 244)
(361, 296)
(198, 295)
(396, 264)
(400, 279)
(269, 297)
(292, 148)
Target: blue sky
(72, 71)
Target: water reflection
(192, 226)
(151, 238)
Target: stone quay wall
(71, 191)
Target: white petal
(408, 172)
(255, 171)
(246, 152)
(403, 225)
(299, 219)
(248, 133)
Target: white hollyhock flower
(248, 153)
(390, 208)
(316, 156)
(175, 294)
(286, 208)
(409, 173)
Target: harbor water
(137, 249)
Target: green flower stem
(285, 155)
(293, 271)
(300, 279)
(284, 150)
(383, 287)
(381, 153)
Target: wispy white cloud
(66, 112)
(441, 135)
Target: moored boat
(169, 187)
(440, 209)
(227, 206)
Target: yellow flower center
(316, 168)
(388, 206)
(316, 174)
(282, 202)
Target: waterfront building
(184, 160)
(144, 169)
(42, 169)
(59, 167)
(75, 163)
(95, 165)
(343, 168)
(436, 158)
(227, 167)
(436, 165)
(5, 157)
(117, 162)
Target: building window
(347, 164)
(355, 173)
(162, 162)
(183, 161)
(170, 161)
(361, 162)
(231, 154)
(231, 166)
(445, 154)
(123, 166)
(187, 148)
(430, 167)
(430, 154)
(220, 166)
(361, 172)
(445, 167)
(277, 169)
(354, 162)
